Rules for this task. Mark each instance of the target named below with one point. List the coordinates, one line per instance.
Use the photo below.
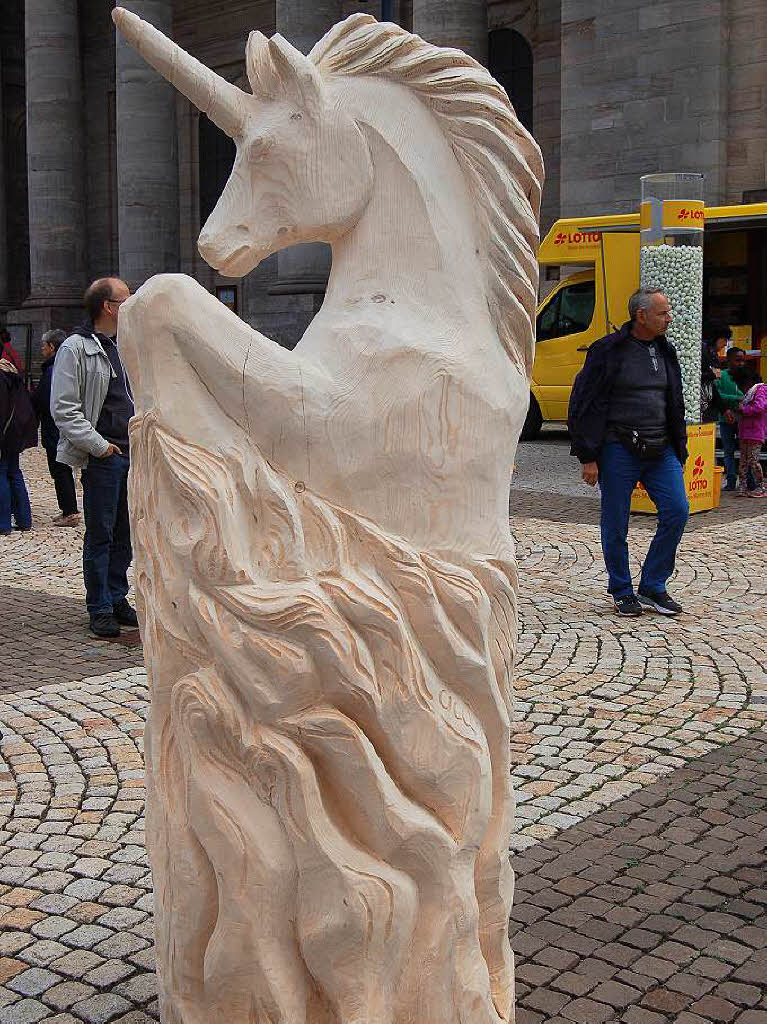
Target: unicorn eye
(258, 147)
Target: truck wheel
(533, 421)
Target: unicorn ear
(277, 69)
(301, 79)
(262, 74)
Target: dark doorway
(511, 63)
(216, 155)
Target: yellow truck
(594, 262)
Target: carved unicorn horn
(224, 103)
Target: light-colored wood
(325, 572)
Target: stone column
(3, 223)
(303, 269)
(147, 160)
(57, 250)
(460, 23)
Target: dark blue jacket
(590, 396)
(41, 399)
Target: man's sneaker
(660, 603)
(125, 615)
(104, 626)
(627, 606)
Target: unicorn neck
(416, 237)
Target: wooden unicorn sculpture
(325, 571)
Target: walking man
(626, 421)
(91, 404)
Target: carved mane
(499, 158)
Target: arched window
(511, 62)
(216, 154)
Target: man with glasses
(91, 405)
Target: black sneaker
(104, 626)
(125, 615)
(627, 605)
(660, 603)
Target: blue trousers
(729, 435)
(14, 499)
(619, 472)
(107, 549)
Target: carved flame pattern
(327, 753)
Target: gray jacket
(81, 377)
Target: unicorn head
(305, 169)
(283, 189)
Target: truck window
(577, 307)
(569, 311)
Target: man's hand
(590, 473)
(111, 450)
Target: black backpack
(18, 420)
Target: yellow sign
(568, 243)
(680, 213)
(699, 473)
(645, 215)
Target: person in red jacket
(7, 351)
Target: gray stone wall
(644, 89)
(747, 99)
(540, 24)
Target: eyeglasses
(117, 302)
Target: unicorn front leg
(189, 359)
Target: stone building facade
(104, 168)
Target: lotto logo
(698, 482)
(577, 237)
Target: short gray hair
(54, 337)
(641, 300)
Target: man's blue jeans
(14, 498)
(107, 548)
(729, 435)
(619, 472)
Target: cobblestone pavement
(655, 910)
(638, 751)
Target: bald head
(101, 291)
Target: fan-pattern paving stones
(638, 762)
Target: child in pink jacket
(752, 431)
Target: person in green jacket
(730, 395)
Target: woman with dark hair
(62, 477)
(18, 431)
(8, 352)
(712, 356)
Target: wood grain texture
(326, 577)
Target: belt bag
(644, 447)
